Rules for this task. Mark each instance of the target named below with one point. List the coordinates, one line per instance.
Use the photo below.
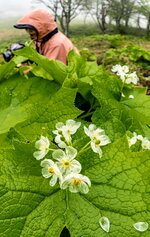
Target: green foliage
(133, 54)
(30, 107)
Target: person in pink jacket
(42, 28)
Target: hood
(40, 19)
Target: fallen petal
(141, 226)
(104, 223)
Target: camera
(8, 54)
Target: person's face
(32, 33)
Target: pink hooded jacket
(50, 42)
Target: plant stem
(85, 115)
(84, 148)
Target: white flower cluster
(145, 142)
(64, 168)
(105, 225)
(125, 76)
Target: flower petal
(43, 143)
(104, 223)
(73, 189)
(53, 180)
(58, 154)
(58, 140)
(141, 226)
(84, 188)
(45, 173)
(96, 148)
(76, 166)
(47, 162)
(59, 125)
(73, 125)
(71, 152)
(39, 154)
(104, 140)
(86, 130)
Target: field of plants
(75, 140)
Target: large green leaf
(120, 188)
(133, 113)
(140, 105)
(33, 106)
(56, 69)
(30, 207)
(7, 69)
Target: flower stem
(50, 149)
(67, 199)
(84, 148)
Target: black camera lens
(7, 55)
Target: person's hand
(26, 71)
(24, 68)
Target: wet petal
(76, 166)
(58, 154)
(86, 130)
(141, 226)
(53, 180)
(71, 152)
(59, 125)
(96, 149)
(60, 142)
(39, 154)
(47, 162)
(104, 223)
(45, 173)
(43, 143)
(84, 188)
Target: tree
(144, 9)
(98, 10)
(121, 12)
(64, 11)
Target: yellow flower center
(96, 141)
(51, 170)
(66, 163)
(76, 182)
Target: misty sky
(12, 8)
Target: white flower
(116, 68)
(121, 71)
(76, 183)
(51, 170)
(145, 143)
(132, 140)
(140, 137)
(141, 226)
(98, 138)
(66, 130)
(43, 147)
(125, 76)
(104, 223)
(131, 78)
(66, 161)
